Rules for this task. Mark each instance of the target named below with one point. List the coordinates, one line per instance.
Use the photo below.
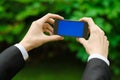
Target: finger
(91, 24)
(88, 20)
(82, 41)
(54, 38)
(108, 42)
(51, 21)
(48, 26)
(94, 29)
(100, 30)
(49, 15)
(48, 31)
(105, 38)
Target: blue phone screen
(70, 28)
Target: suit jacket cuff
(23, 51)
(99, 57)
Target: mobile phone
(71, 28)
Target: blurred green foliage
(17, 15)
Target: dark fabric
(11, 61)
(97, 69)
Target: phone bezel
(85, 32)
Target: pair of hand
(97, 42)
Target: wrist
(100, 53)
(26, 45)
(23, 51)
(99, 56)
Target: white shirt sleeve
(23, 51)
(99, 57)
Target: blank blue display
(70, 28)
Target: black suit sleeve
(97, 69)
(11, 61)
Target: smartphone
(71, 28)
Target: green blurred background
(62, 60)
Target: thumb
(82, 41)
(54, 38)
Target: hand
(97, 42)
(35, 36)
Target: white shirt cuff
(99, 57)
(23, 51)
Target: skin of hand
(35, 36)
(97, 42)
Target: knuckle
(95, 30)
(96, 25)
(49, 14)
(106, 38)
(102, 32)
(85, 18)
(107, 42)
(35, 22)
(90, 19)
